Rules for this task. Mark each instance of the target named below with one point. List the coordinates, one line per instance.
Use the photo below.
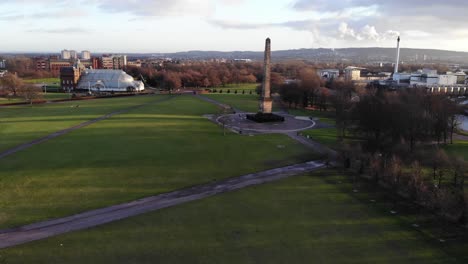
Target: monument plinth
(266, 103)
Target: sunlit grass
(306, 219)
(154, 149)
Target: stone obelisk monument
(266, 103)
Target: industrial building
(329, 74)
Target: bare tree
(30, 92)
(11, 83)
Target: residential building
(41, 64)
(73, 54)
(56, 65)
(85, 55)
(66, 55)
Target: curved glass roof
(110, 79)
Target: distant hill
(351, 55)
(347, 54)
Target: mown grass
(314, 218)
(459, 148)
(327, 117)
(325, 136)
(19, 124)
(239, 87)
(151, 150)
(43, 80)
(244, 102)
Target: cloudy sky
(180, 25)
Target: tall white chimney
(398, 55)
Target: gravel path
(70, 129)
(37, 231)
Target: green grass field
(25, 123)
(43, 80)
(325, 136)
(151, 150)
(327, 117)
(239, 87)
(245, 102)
(459, 148)
(306, 219)
(44, 96)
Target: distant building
(329, 74)
(41, 63)
(402, 78)
(243, 60)
(73, 54)
(2, 64)
(461, 77)
(66, 55)
(56, 65)
(106, 62)
(108, 80)
(136, 63)
(85, 55)
(69, 77)
(119, 62)
(352, 73)
(447, 79)
(113, 62)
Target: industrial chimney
(398, 55)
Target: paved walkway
(28, 233)
(70, 129)
(292, 133)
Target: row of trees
(440, 188)
(400, 134)
(198, 75)
(385, 118)
(397, 137)
(305, 90)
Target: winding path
(73, 128)
(37, 231)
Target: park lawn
(327, 117)
(459, 148)
(244, 102)
(43, 80)
(239, 87)
(325, 136)
(20, 124)
(305, 219)
(55, 96)
(154, 149)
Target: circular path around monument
(240, 124)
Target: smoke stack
(398, 55)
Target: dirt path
(37, 231)
(70, 129)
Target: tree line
(401, 138)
